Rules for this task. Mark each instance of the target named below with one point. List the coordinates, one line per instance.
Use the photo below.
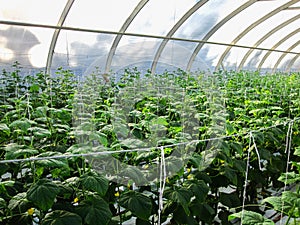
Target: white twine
(137, 149)
(258, 156)
(162, 183)
(288, 152)
(246, 179)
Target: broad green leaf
(42, 193)
(160, 121)
(297, 151)
(4, 128)
(251, 218)
(94, 182)
(199, 189)
(180, 195)
(94, 211)
(203, 211)
(288, 203)
(133, 173)
(142, 222)
(14, 151)
(40, 132)
(61, 217)
(139, 204)
(34, 88)
(289, 177)
(18, 201)
(2, 203)
(63, 162)
(22, 124)
(230, 199)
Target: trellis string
(256, 150)
(137, 149)
(288, 152)
(162, 183)
(246, 178)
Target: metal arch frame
(61, 21)
(266, 36)
(124, 27)
(284, 54)
(275, 46)
(215, 29)
(252, 26)
(163, 44)
(76, 29)
(291, 63)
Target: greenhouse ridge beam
(253, 25)
(173, 30)
(56, 33)
(276, 45)
(280, 26)
(12, 23)
(215, 29)
(129, 20)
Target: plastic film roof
(111, 35)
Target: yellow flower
(30, 211)
(75, 200)
(190, 176)
(188, 170)
(117, 194)
(146, 166)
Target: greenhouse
(150, 112)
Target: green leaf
(94, 211)
(140, 205)
(251, 218)
(18, 201)
(4, 128)
(288, 203)
(199, 189)
(34, 88)
(42, 193)
(2, 203)
(182, 196)
(63, 162)
(14, 151)
(297, 151)
(22, 124)
(160, 121)
(61, 217)
(139, 221)
(94, 182)
(230, 199)
(40, 132)
(289, 177)
(133, 173)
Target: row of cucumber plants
(82, 150)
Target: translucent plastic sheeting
(198, 24)
(284, 64)
(133, 51)
(253, 60)
(157, 17)
(100, 14)
(150, 34)
(256, 33)
(81, 49)
(32, 11)
(244, 19)
(177, 53)
(27, 45)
